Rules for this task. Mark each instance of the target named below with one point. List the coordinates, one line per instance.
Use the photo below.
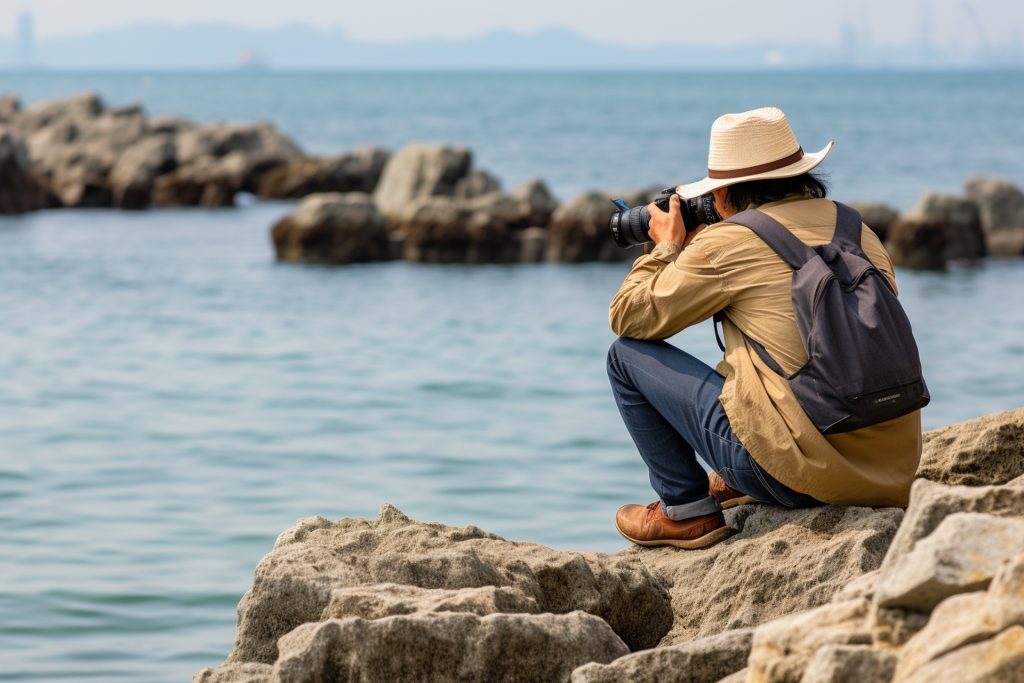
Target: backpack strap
(848, 227)
(788, 246)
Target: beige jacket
(728, 267)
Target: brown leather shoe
(648, 525)
(726, 496)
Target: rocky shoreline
(423, 203)
(831, 594)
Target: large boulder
(1001, 204)
(295, 583)
(707, 660)
(45, 114)
(206, 181)
(877, 216)
(780, 561)
(987, 450)
(332, 228)
(477, 184)
(418, 171)
(356, 171)
(917, 244)
(579, 231)
(479, 230)
(446, 646)
(542, 203)
(19, 191)
(391, 599)
(134, 173)
(10, 108)
(959, 219)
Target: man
(742, 418)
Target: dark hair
(758, 192)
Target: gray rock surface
(418, 171)
(782, 649)
(877, 216)
(247, 672)
(849, 664)
(294, 583)
(332, 227)
(484, 229)
(135, 172)
(477, 184)
(930, 503)
(917, 244)
(961, 555)
(358, 171)
(707, 660)
(968, 618)
(391, 599)
(988, 450)
(19, 190)
(542, 204)
(959, 218)
(1001, 204)
(780, 562)
(579, 231)
(446, 647)
(997, 660)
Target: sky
(644, 22)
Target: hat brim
(805, 164)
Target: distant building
(26, 40)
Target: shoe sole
(733, 502)
(704, 541)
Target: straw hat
(755, 144)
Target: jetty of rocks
(423, 203)
(830, 594)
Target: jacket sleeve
(667, 291)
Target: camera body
(631, 225)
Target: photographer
(749, 419)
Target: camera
(630, 225)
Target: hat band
(760, 168)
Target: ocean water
(173, 398)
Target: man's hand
(668, 226)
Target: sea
(173, 398)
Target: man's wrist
(666, 251)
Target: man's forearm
(630, 309)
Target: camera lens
(630, 227)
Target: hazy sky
(638, 22)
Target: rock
(390, 599)
(476, 184)
(542, 203)
(918, 245)
(968, 618)
(533, 244)
(19, 191)
(294, 583)
(248, 672)
(959, 218)
(446, 647)
(849, 664)
(358, 171)
(479, 230)
(998, 660)
(579, 231)
(877, 216)
(418, 171)
(698, 661)
(738, 677)
(930, 503)
(961, 555)
(892, 627)
(332, 228)
(780, 562)
(44, 114)
(135, 172)
(10, 108)
(783, 648)
(206, 181)
(988, 450)
(1001, 204)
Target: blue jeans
(669, 402)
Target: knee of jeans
(614, 353)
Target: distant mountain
(300, 46)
